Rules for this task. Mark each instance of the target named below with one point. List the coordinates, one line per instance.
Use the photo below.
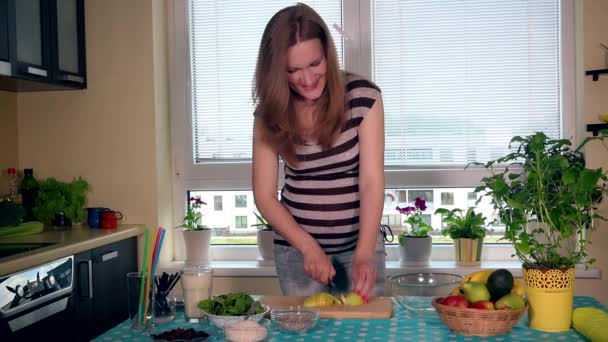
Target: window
(217, 203)
(458, 79)
(241, 222)
(471, 199)
(447, 198)
(240, 201)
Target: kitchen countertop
(71, 241)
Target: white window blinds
(224, 41)
(460, 78)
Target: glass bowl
(220, 321)
(415, 291)
(294, 319)
(238, 331)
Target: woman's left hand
(364, 275)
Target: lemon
(592, 323)
(604, 117)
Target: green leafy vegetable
(55, 196)
(230, 304)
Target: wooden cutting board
(378, 307)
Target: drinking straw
(143, 273)
(147, 287)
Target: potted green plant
(415, 244)
(547, 200)
(61, 198)
(197, 236)
(265, 238)
(467, 230)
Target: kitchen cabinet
(101, 286)
(45, 46)
(5, 66)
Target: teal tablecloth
(404, 326)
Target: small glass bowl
(415, 291)
(295, 319)
(237, 332)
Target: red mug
(109, 219)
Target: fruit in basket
(483, 305)
(510, 301)
(321, 299)
(455, 300)
(499, 283)
(479, 276)
(518, 288)
(475, 291)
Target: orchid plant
(193, 215)
(413, 217)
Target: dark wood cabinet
(4, 62)
(45, 45)
(101, 286)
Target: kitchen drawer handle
(90, 278)
(109, 256)
(36, 71)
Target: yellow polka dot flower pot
(550, 293)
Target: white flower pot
(415, 251)
(265, 247)
(197, 246)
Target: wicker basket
(475, 322)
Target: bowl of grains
(294, 319)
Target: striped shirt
(322, 192)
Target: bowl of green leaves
(231, 307)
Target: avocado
(499, 284)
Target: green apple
(475, 291)
(510, 301)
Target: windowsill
(236, 268)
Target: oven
(39, 302)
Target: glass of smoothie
(197, 282)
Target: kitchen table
(405, 325)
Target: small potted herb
(265, 238)
(467, 229)
(197, 236)
(415, 244)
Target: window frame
(357, 24)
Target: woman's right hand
(318, 265)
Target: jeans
(295, 282)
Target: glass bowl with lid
(415, 291)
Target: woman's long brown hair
(271, 92)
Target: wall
(113, 133)
(8, 137)
(595, 103)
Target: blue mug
(94, 216)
